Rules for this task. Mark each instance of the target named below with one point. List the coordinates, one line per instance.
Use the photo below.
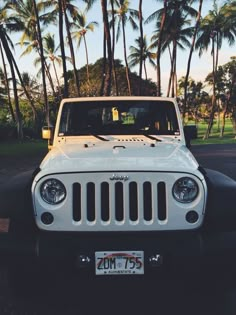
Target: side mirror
(47, 133)
(190, 132)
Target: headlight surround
(185, 190)
(52, 191)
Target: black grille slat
(133, 201)
(119, 201)
(76, 202)
(139, 204)
(91, 202)
(161, 188)
(147, 201)
(105, 202)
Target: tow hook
(156, 260)
(83, 261)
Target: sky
(200, 67)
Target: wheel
(22, 269)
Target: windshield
(122, 117)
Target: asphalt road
(159, 294)
(218, 157)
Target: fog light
(83, 261)
(156, 260)
(47, 218)
(192, 216)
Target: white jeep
(120, 192)
(119, 164)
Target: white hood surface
(137, 154)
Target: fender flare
(15, 196)
(220, 213)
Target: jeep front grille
(124, 201)
(131, 202)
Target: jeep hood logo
(119, 177)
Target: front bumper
(181, 249)
(194, 249)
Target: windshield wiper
(85, 133)
(152, 137)
(99, 137)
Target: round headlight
(185, 190)
(52, 191)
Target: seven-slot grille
(130, 201)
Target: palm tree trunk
(42, 62)
(113, 48)
(34, 110)
(163, 18)
(87, 62)
(125, 57)
(57, 79)
(145, 70)
(48, 74)
(17, 106)
(107, 83)
(227, 105)
(31, 102)
(171, 70)
(217, 52)
(169, 83)
(175, 81)
(7, 86)
(190, 57)
(14, 83)
(213, 101)
(72, 53)
(104, 63)
(62, 46)
(141, 46)
(223, 119)
(174, 69)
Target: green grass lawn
(27, 148)
(229, 135)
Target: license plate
(119, 263)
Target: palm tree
(31, 44)
(124, 14)
(30, 84)
(113, 46)
(27, 13)
(230, 73)
(176, 32)
(62, 46)
(67, 6)
(190, 56)
(50, 53)
(7, 25)
(6, 84)
(63, 9)
(218, 25)
(169, 20)
(80, 28)
(147, 55)
(5, 40)
(40, 41)
(3, 20)
(140, 16)
(107, 37)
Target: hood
(138, 155)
